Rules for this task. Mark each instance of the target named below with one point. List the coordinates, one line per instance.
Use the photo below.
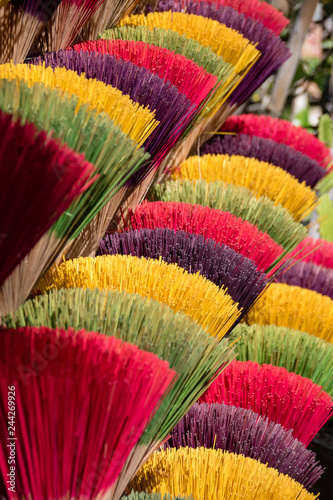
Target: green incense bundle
(296, 351)
(275, 220)
(201, 55)
(114, 155)
(191, 351)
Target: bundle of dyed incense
(21, 22)
(262, 178)
(246, 433)
(318, 251)
(283, 132)
(294, 350)
(203, 301)
(171, 108)
(273, 52)
(218, 263)
(309, 275)
(219, 226)
(63, 422)
(275, 220)
(284, 398)
(214, 474)
(296, 308)
(49, 174)
(134, 495)
(196, 356)
(115, 156)
(296, 163)
(257, 10)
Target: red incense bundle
(190, 79)
(223, 227)
(293, 401)
(39, 179)
(81, 401)
(318, 251)
(280, 131)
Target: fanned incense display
(284, 398)
(215, 475)
(296, 163)
(296, 308)
(62, 380)
(261, 177)
(246, 433)
(219, 226)
(200, 299)
(294, 350)
(233, 272)
(239, 201)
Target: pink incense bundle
(222, 227)
(190, 79)
(81, 401)
(318, 251)
(285, 398)
(280, 131)
(39, 179)
(260, 11)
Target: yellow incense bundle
(207, 304)
(134, 120)
(263, 178)
(215, 475)
(225, 42)
(296, 308)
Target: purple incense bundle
(244, 432)
(217, 262)
(274, 51)
(309, 275)
(297, 164)
(173, 110)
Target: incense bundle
(49, 174)
(215, 475)
(275, 220)
(296, 163)
(67, 21)
(272, 49)
(295, 308)
(21, 22)
(310, 276)
(218, 263)
(294, 350)
(204, 302)
(168, 39)
(63, 423)
(318, 251)
(226, 42)
(246, 433)
(190, 79)
(133, 119)
(106, 16)
(222, 227)
(280, 131)
(257, 10)
(282, 397)
(171, 108)
(199, 85)
(196, 357)
(115, 156)
(261, 177)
